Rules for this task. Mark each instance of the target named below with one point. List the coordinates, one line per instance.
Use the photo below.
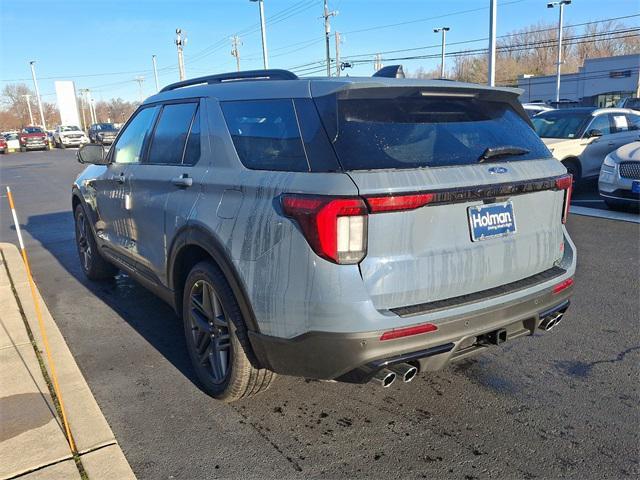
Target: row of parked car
(33, 137)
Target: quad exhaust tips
(384, 378)
(405, 371)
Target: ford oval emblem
(495, 170)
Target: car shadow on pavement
(153, 319)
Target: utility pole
(155, 72)
(89, 101)
(327, 33)
(28, 99)
(180, 43)
(493, 11)
(338, 65)
(444, 31)
(263, 30)
(92, 109)
(84, 118)
(35, 84)
(377, 63)
(561, 5)
(140, 81)
(235, 43)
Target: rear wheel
(573, 168)
(94, 266)
(216, 337)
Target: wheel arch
(575, 161)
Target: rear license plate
(635, 186)
(489, 221)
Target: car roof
(308, 87)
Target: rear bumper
(349, 356)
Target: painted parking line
(609, 214)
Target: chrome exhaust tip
(551, 321)
(384, 378)
(405, 371)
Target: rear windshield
(421, 130)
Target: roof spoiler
(273, 74)
(392, 71)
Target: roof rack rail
(273, 74)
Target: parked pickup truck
(104, 133)
(33, 138)
(69, 136)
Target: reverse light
(336, 228)
(562, 286)
(565, 183)
(408, 331)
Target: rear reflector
(408, 331)
(565, 183)
(563, 285)
(396, 203)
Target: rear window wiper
(505, 151)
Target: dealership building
(600, 82)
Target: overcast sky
(104, 45)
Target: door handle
(118, 178)
(183, 181)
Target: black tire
(573, 167)
(216, 337)
(23, 149)
(62, 146)
(93, 264)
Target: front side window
(128, 148)
(561, 124)
(602, 123)
(266, 135)
(170, 134)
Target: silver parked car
(619, 182)
(352, 229)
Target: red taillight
(565, 183)
(336, 228)
(563, 285)
(408, 331)
(395, 203)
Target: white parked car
(13, 143)
(619, 182)
(581, 137)
(69, 136)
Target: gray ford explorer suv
(351, 229)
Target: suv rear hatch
(483, 198)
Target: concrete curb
(99, 451)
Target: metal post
(444, 31)
(35, 84)
(559, 66)
(337, 34)
(155, 72)
(180, 42)
(493, 10)
(263, 29)
(28, 98)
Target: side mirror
(92, 153)
(594, 132)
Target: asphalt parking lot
(561, 404)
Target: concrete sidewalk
(32, 439)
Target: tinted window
(414, 130)
(601, 122)
(266, 134)
(634, 121)
(192, 152)
(561, 124)
(128, 148)
(170, 135)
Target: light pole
(180, 43)
(444, 31)
(155, 72)
(263, 29)
(28, 99)
(493, 10)
(561, 5)
(35, 84)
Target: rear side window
(266, 135)
(413, 129)
(170, 134)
